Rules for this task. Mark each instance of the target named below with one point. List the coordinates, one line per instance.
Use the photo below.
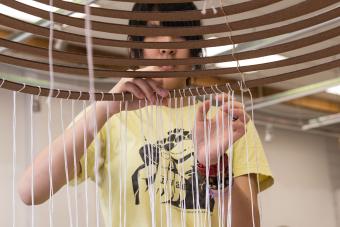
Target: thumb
(203, 109)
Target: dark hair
(138, 53)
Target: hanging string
(108, 155)
(259, 202)
(86, 165)
(51, 74)
(247, 156)
(66, 165)
(89, 50)
(32, 160)
(169, 179)
(74, 161)
(14, 124)
(120, 164)
(230, 155)
(125, 159)
(183, 186)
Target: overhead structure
(295, 17)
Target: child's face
(169, 83)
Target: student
(155, 149)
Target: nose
(167, 51)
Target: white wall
(306, 169)
(304, 191)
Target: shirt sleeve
(249, 157)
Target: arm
(141, 88)
(242, 196)
(41, 163)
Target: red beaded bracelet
(213, 169)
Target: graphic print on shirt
(168, 166)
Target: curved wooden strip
(163, 16)
(294, 11)
(80, 95)
(109, 61)
(34, 29)
(327, 52)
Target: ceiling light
(213, 51)
(25, 16)
(334, 90)
(252, 61)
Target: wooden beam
(308, 102)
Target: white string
(66, 164)
(183, 186)
(32, 161)
(247, 156)
(169, 214)
(125, 160)
(14, 156)
(217, 136)
(50, 160)
(259, 202)
(51, 74)
(223, 164)
(208, 160)
(230, 156)
(86, 166)
(74, 162)
(108, 155)
(120, 164)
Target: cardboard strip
(327, 52)
(164, 16)
(291, 12)
(110, 61)
(80, 95)
(71, 37)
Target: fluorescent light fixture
(213, 51)
(25, 16)
(334, 90)
(252, 61)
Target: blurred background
(298, 120)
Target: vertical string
(217, 136)
(170, 178)
(51, 74)
(120, 164)
(125, 159)
(197, 186)
(208, 160)
(50, 160)
(223, 164)
(259, 202)
(14, 156)
(182, 184)
(247, 156)
(86, 166)
(230, 156)
(108, 155)
(66, 164)
(88, 38)
(32, 160)
(74, 161)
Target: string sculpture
(164, 178)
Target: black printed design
(168, 166)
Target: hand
(141, 88)
(218, 145)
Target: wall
(306, 169)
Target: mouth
(166, 68)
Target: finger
(146, 88)
(159, 90)
(202, 110)
(134, 89)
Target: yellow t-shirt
(150, 150)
